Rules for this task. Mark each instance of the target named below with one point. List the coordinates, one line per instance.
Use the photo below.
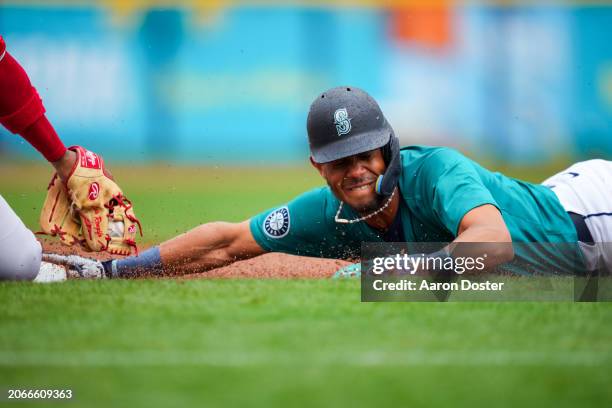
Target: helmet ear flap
(386, 182)
(386, 152)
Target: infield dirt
(271, 266)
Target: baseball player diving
(84, 206)
(377, 192)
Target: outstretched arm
(203, 248)
(209, 246)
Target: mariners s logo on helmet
(277, 223)
(342, 121)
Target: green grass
(297, 343)
(273, 342)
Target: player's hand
(64, 165)
(86, 206)
(349, 271)
(77, 266)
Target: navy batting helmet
(345, 121)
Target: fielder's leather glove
(90, 208)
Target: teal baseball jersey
(437, 186)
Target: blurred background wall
(231, 81)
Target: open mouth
(360, 186)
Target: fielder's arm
(209, 246)
(22, 113)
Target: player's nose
(355, 169)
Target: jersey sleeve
(22, 111)
(297, 228)
(454, 187)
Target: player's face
(353, 179)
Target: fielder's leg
(20, 252)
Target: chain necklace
(365, 217)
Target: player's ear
(316, 165)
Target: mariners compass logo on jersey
(276, 224)
(342, 121)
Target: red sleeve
(22, 111)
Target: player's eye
(340, 164)
(365, 156)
